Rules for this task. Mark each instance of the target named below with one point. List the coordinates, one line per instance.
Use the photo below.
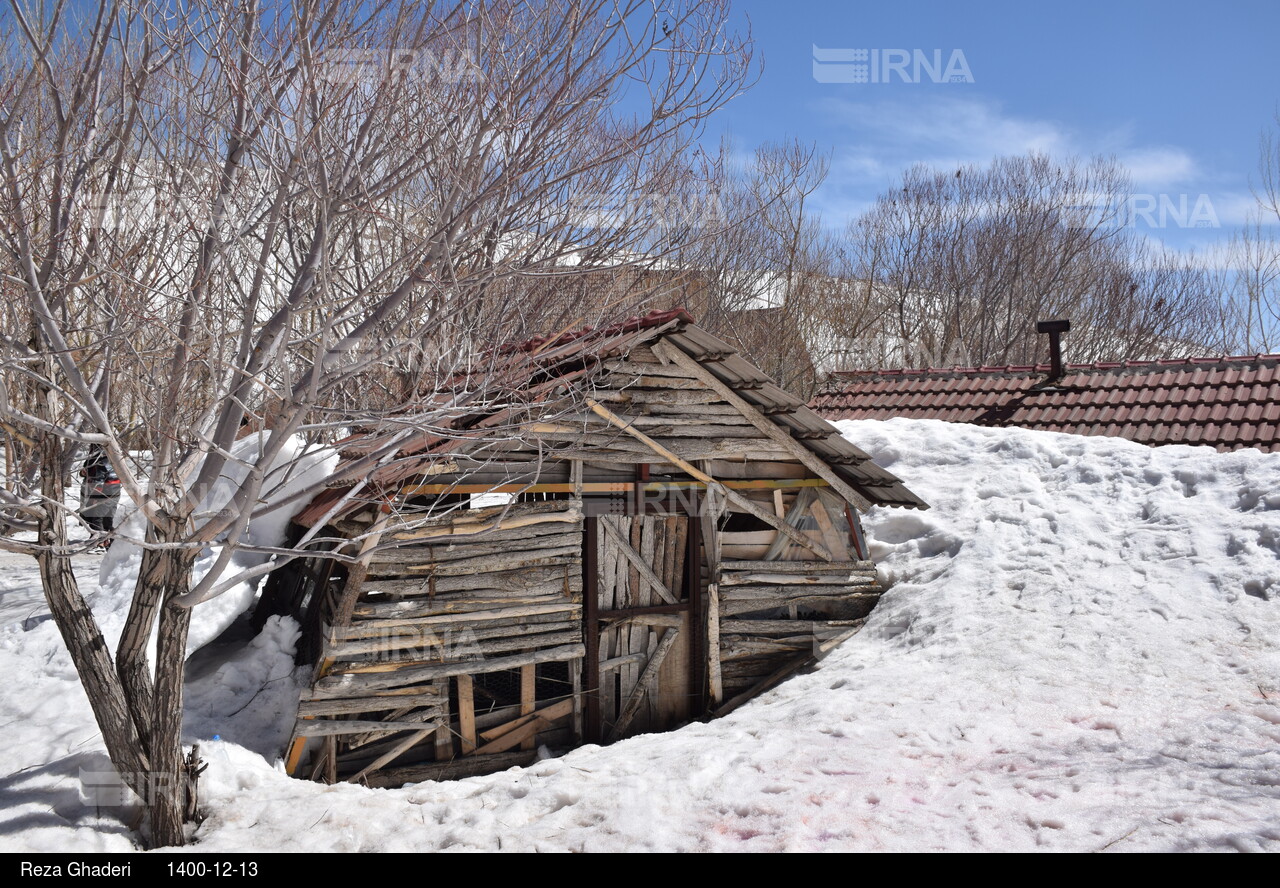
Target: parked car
(99, 492)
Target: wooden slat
(526, 734)
(846, 605)
(472, 655)
(325, 728)
(569, 516)
(409, 615)
(355, 685)
(575, 677)
(834, 541)
(356, 705)
(548, 713)
(619, 662)
(390, 755)
(734, 578)
(444, 737)
(799, 566)
(449, 770)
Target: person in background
(100, 491)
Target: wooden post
(693, 589)
(467, 712)
(591, 630)
(444, 738)
(331, 760)
(527, 689)
(575, 676)
(709, 537)
(713, 645)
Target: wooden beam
(770, 428)
(391, 754)
(324, 727)
(456, 769)
(732, 495)
(295, 754)
(711, 545)
(575, 676)
(356, 575)
(697, 637)
(586, 487)
(547, 713)
(525, 735)
(644, 685)
(595, 487)
(867, 568)
(467, 713)
(463, 528)
(444, 739)
(713, 645)
(528, 687)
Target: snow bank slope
(1080, 652)
(295, 468)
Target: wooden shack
(658, 532)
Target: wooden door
(647, 632)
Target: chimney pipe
(1055, 329)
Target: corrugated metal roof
(533, 378)
(1229, 403)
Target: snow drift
(295, 467)
(1080, 651)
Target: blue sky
(1179, 91)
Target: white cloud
(1159, 168)
(884, 136)
(939, 131)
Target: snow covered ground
(1080, 651)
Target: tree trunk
(84, 639)
(169, 576)
(131, 656)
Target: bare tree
(964, 262)
(768, 277)
(234, 212)
(1253, 267)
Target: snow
(1080, 651)
(294, 468)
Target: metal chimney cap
(1061, 326)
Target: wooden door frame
(593, 727)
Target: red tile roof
(1229, 403)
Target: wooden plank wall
(778, 602)
(475, 593)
